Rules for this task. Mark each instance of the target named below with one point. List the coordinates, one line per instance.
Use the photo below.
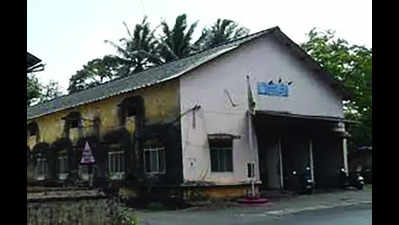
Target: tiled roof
(140, 80)
(167, 72)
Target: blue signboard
(272, 89)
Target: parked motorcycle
(302, 183)
(353, 180)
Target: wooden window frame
(63, 172)
(155, 148)
(219, 155)
(41, 172)
(119, 173)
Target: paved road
(353, 215)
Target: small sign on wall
(272, 89)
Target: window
(116, 164)
(63, 167)
(72, 120)
(154, 158)
(84, 172)
(251, 170)
(221, 155)
(74, 123)
(41, 169)
(131, 111)
(32, 129)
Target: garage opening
(288, 143)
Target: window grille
(63, 167)
(116, 164)
(221, 155)
(84, 172)
(41, 169)
(154, 159)
(75, 123)
(251, 170)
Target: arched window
(72, 120)
(72, 125)
(154, 157)
(132, 108)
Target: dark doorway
(295, 158)
(328, 159)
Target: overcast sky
(67, 34)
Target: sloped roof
(31, 60)
(144, 79)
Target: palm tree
(138, 52)
(176, 43)
(221, 31)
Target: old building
(252, 109)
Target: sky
(65, 35)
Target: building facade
(250, 110)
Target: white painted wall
(263, 59)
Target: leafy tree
(221, 31)
(352, 66)
(50, 91)
(95, 72)
(138, 52)
(33, 88)
(176, 43)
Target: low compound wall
(75, 207)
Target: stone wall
(83, 210)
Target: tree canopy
(33, 88)
(176, 43)
(95, 72)
(221, 31)
(39, 93)
(352, 66)
(138, 51)
(142, 49)
(50, 91)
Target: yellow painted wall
(161, 102)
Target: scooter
(358, 180)
(303, 183)
(354, 179)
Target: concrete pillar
(345, 153)
(252, 148)
(311, 159)
(281, 163)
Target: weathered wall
(264, 59)
(161, 103)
